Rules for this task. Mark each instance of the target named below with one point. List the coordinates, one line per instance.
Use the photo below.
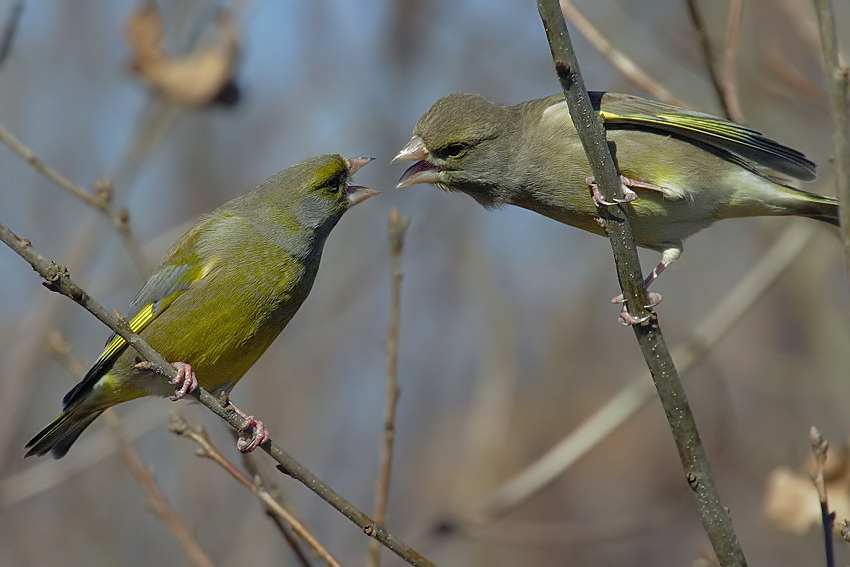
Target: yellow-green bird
(681, 170)
(220, 296)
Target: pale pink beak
(357, 193)
(414, 150)
(355, 163)
(420, 172)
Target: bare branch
(99, 200)
(209, 451)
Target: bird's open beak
(355, 163)
(421, 171)
(357, 193)
(414, 150)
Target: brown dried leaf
(791, 501)
(195, 78)
(144, 34)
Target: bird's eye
(453, 151)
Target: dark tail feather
(58, 437)
(822, 210)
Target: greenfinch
(681, 170)
(220, 296)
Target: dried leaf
(144, 34)
(193, 79)
(791, 501)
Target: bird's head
(458, 145)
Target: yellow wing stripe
(718, 128)
(146, 315)
(137, 323)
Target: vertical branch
(715, 518)
(837, 77)
(396, 229)
(820, 446)
(707, 53)
(732, 102)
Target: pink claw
(628, 194)
(627, 320)
(186, 381)
(248, 442)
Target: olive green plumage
(698, 168)
(222, 293)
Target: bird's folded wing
(746, 143)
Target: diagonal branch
(715, 518)
(273, 507)
(99, 200)
(623, 63)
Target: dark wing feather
(746, 143)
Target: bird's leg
(247, 442)
(185, 381)
(668, 256)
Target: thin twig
(838, 77)
(98, 200)
(209, 451)
(732, 102)
(58, 280)
(157, 501)
(820, 446)
(625, 65)
(715, 518)
(707, 53)
(261, 481)
(396, 229)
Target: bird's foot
(627, 319)
(185, 381)
(654, 299)
(253, 432)
(626, 184)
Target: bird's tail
(821, 208)
(58, 437)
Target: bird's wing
(757, 152)
(182, 268)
